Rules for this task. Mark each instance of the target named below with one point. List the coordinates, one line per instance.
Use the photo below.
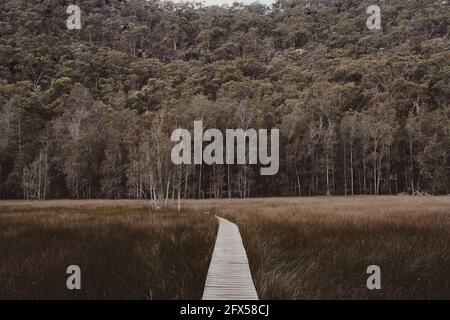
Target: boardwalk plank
(229, 276)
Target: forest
(88, 113)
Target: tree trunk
(351, 167)
(345, 168)
(229, 182)
(166, 202)
(200, 182)
(179, 200)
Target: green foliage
(71, 101)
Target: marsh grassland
(298, 248)
(320, 248)
(124, 250)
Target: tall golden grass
(320, 248)
(298, 248)
(124, 250)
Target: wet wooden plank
(229, 276)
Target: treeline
(89, 113)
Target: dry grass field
(298, 248)
(319, 248)
(124, 250)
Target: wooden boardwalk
(229, 276)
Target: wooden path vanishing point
(229, 276)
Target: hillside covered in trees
(88, 113)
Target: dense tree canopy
(88, 113)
